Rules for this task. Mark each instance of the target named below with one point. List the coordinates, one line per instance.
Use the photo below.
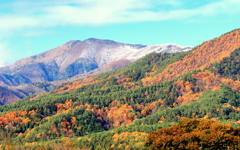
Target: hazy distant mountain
(76, 59)
(10, 94)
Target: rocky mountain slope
(73, 60)
(76, 57)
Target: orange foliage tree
(122, 115)
(195, 134)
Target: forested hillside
(205, 54)
(121, 108)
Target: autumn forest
(184, 100)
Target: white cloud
(4, 54)
(45, 13)
(34, 18)
(35, 33)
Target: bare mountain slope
(71, 61)
(75, 57)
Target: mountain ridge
(219, 47)
(92, 50)
(75, 60)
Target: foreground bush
(195, 134)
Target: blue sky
(30, 27)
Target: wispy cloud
(44, 14)
(36, 18)
(4, 53)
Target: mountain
(12, 93)
(8, 96)
(71, 61)
(76, 57)
(193, 96)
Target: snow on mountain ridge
(116, 50)
(74, 57)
